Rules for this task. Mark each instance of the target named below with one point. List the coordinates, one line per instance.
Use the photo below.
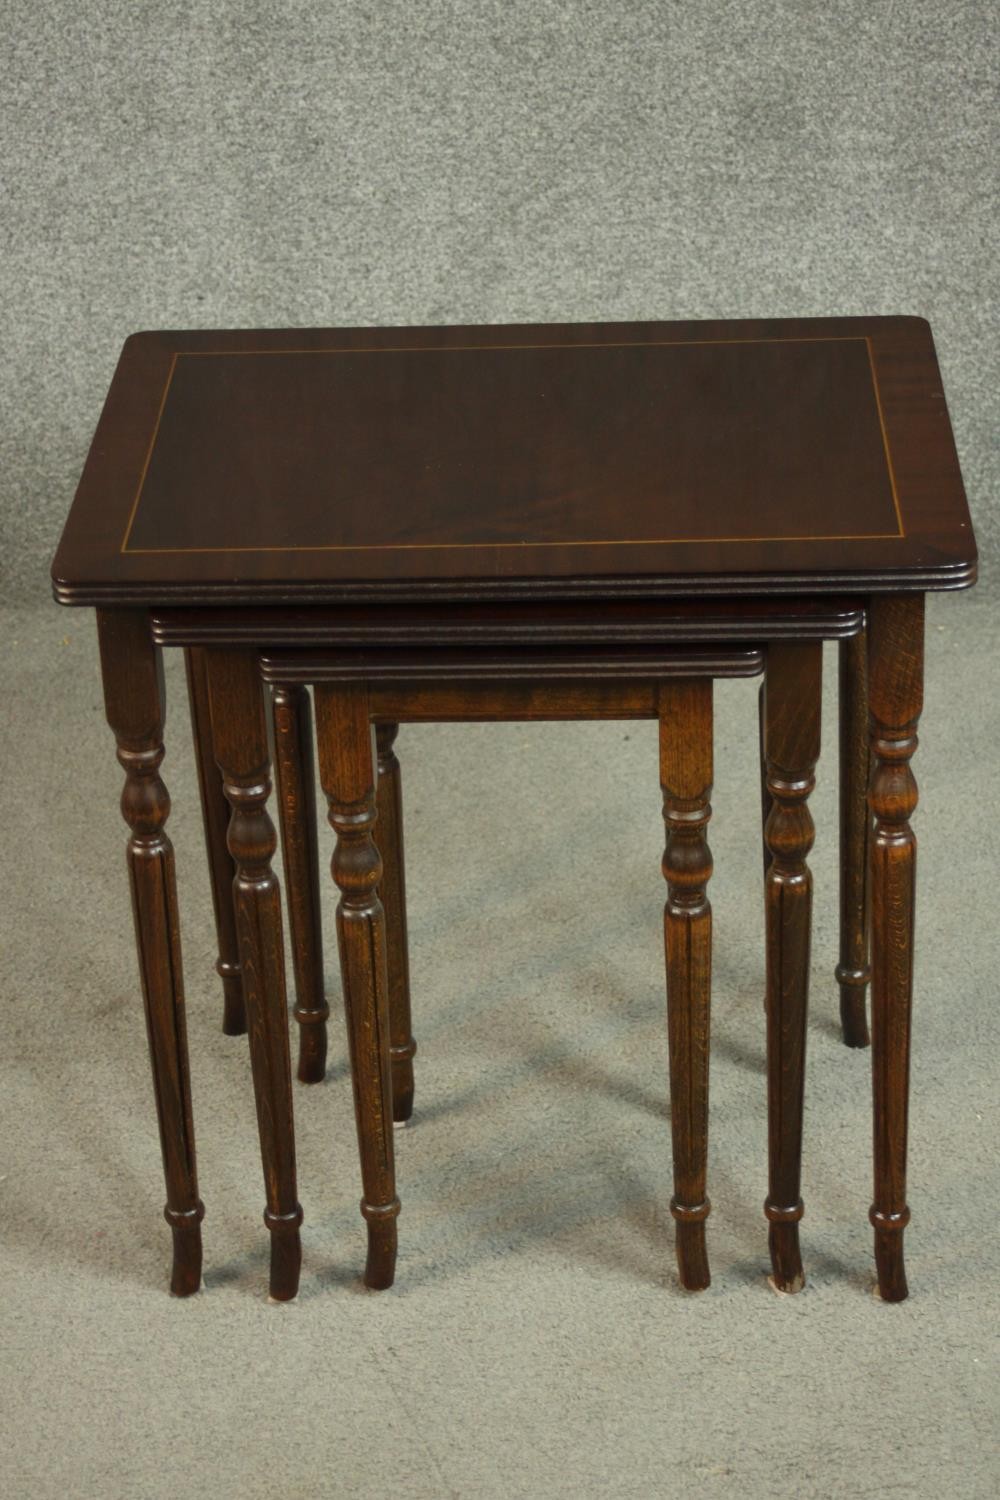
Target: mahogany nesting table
(553, 521)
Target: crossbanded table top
(590, 460)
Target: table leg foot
(402, 1096)
(692, 1251)
(853, 1011)
(286, 1254)
(234, 1017)
(889, 1264)
(312, 1051)
(185, 1275)
(380, 1267)
(787, 1274)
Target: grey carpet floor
(536, 1342)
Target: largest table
(250, 489)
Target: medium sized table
(249, 492)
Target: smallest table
(725, 467)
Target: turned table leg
(293, 758)
(686, 779)
(240, 735)
(791, 733)
(221, 870)
(348, 776)
(392, 894)
(853, 971)
(895, 686)
(134, 701)
(765, 795)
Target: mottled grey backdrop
(191, 164)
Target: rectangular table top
(661, 459)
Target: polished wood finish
(520, 522)
(465, 700)
(295, 776)
(521, 684)
(854, 970)
(558, 623)
(392, 894)
(134, 702)
(255, 467)
(765, 795)
(896, 685)
(240, 737)
(515, 428)
(348, 774)
(221, 870)
(686, 780)
(346, 707)
(793, 677)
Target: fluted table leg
(853, 970)
(686, 780)
(895, 686)
(293, 758)
(221, 870)
(392, 894)
(348, 775)
(792, 740)
(135, 705)
(240, 734)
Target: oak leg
(392, 894)
(240, 735)
(686, 780)
(853, 971)
(895, 686)
(293, 759)
(348, 775)
(221, 870)
(135, 706)
(791, 733)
